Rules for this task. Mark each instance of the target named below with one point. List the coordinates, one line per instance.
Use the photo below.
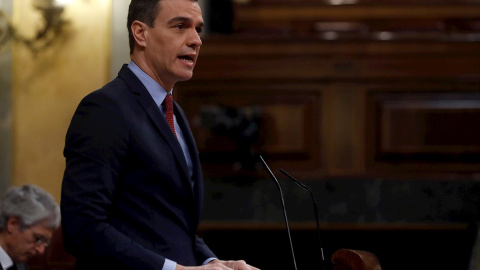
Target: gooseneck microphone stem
(315, 210)
(284, 211)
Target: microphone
(315, 210)
(284, 211)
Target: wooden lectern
(56, 258)
(350, 259)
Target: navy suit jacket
(127, 198)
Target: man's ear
(140, 33)
(13, 224)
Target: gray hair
(32, 205)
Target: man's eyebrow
(184, 19)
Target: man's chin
(187, 76)
(184, 75)
(26, 257)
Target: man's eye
(180, 26)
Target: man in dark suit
(28, 218)
(132, 190)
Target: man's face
(23, 244)
(173, 44)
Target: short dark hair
(141, 10)
(145, 11)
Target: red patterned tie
(169, 111)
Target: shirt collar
(5, 260)
(156, 90)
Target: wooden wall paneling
(343, 130)
(356, 2)
(314, 59)
(345, 73)
(425, 132)
(321, 12)
(283, 121)
(361, 20)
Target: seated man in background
(28, 217)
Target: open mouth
(186, 58)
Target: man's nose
(40, 249)
(195, 39)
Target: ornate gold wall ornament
(53, 26)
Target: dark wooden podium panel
(395, 246)
(350, 259)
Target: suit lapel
(192, 147)
(146, 101)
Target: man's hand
(235, 265)
(220, 265)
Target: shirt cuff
(169, 265)
(209, 260)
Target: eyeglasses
(37, 237)
(40, 239)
